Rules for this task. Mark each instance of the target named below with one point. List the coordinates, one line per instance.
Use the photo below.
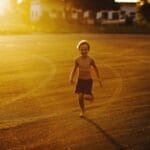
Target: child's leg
(89, 97)
(81, 102)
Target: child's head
(83, 46)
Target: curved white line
(52, 73)
(119, 86)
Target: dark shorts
(84, 86)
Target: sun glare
(19, 1)
(4, 6)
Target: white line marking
(51, 75)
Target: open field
(39, 110)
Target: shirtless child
(85, 81)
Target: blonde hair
(83, 42)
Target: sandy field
(38, 107)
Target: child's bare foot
(82, 114)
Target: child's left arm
(96, 71)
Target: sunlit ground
(39, 110)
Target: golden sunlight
(19, 1)
(4, 6)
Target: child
(85, 82)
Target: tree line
(95, 5)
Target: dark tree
(95, 5)
(145, 11)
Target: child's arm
(73, 72)
(97, 72)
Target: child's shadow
(117, 145)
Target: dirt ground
(38, 107)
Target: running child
(83, 63)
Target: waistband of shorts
(85, 79)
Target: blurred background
(112, 16)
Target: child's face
(84, 49)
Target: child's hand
(71, 81)
(100, 82)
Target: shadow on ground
(110, 139)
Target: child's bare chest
(84, 64)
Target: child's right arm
(73, 72)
